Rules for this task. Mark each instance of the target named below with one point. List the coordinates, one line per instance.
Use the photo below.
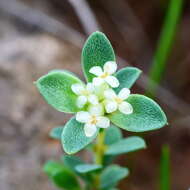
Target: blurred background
(39, 35)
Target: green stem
(100, 148)
(164, 45)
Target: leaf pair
(63, 175)
(113, 139)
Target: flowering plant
(101, 108)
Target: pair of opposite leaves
(56, 89)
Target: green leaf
(61, 176)
(86, 168)
(126, 145)
(96, 52)
(66, 180)
(112, 175)
(108, 160)
(51, 167)
(113, 134)
(55, 87)
(147, 115)
(74, 138)
(71, 161)
(56, 132)
(127, 77)
(165, 173)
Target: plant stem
(100, 148)
(164, 45)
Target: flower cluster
(98, 99)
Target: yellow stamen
(104, 75)
(85, 92)
(118, 100)
(93, 120)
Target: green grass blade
(165, 168)
(164, 45)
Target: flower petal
(97, 110)
(112, 81)
(110, 106)
(77, 88)
(83, 116)
(93, 99)
(124, 93)
(89, 129)
(90, 87)
(97, 81)
(110, 67)
(96, 70)
(125, 108)
(81, 101)
(103, 122)
(109, 94)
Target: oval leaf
(66, 180)
(56, 132)
(86, 168)
(129, 144)
(61, 176)
(74, 138)
(96, 52)
(71, 161)
(113, 134)
(55, 87)
(127, 77)
(147, 115)
(112, 175)
(50, 167)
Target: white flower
(105, 75)
(114, 102)
(85, 94)
(93, 119)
